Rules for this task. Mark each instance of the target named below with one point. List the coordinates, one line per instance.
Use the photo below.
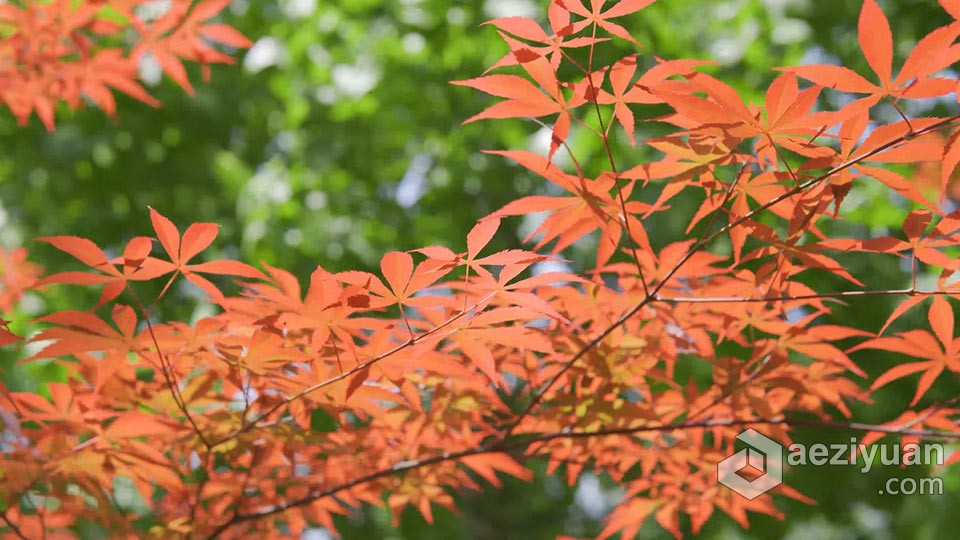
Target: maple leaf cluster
(54, 51)
(17, 275)
(289, 407)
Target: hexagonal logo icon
(763, 455)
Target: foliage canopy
(453, 365)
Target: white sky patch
(818, 55)
(795, 315)
(315, 534)
(413, 43)
(334, 250)
(11, 432)
(316, 199)
(551, 266)
(241, 398)
(511, 8)
(355, 80)
(790, 31)
(31, 348)
(32, 304)
(589, 497)
(285, 141)
(298, 9)
(328, 22)
(440, 291)
(239, 7)
(530, 223)
(726, 50)
(269, 184)
(873, 519)
(266, 52)
(540, 140)
(948, 206)
(730, 49)
(456, 16)
(149, 69)
(319, 55)
(10, 236)
(292, 237)
(325, 94)
(414, 16)
(413, 184)
(724, 11)
(152, 10)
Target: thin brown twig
(624, 215)
(168, 373)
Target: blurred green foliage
(338, 138)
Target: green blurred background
(337, 137)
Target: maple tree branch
(735, 385)
(528, 435)
(11, 525)
(749, 215)
(841, 294)
(790, 193)
(933, 410)
(705, 239)
(788, 421)
(604, 136)
(649, 297)
(944, 123)
(522, 441)
(352, 371)
(310, 498)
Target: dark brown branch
(522, 441)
